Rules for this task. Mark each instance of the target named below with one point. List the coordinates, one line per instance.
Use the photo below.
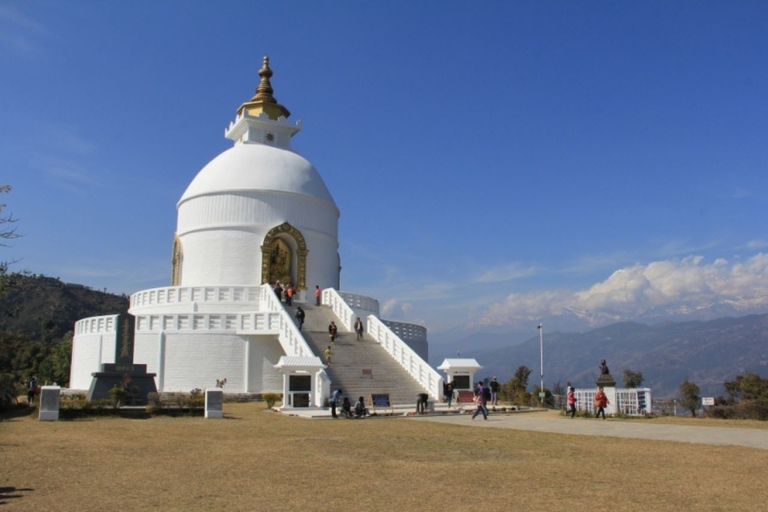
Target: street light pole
(541, 346)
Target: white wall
(94, 343)
(187, 360)
(221, 236)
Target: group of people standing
(286, 293)
(345, 407)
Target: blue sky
(496, 164)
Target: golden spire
(263, 101)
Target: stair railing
(291, 339)
(418, 368)
(340, 307)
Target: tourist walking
(332, 331)
(279, 291)
(359, 329)
(289, 291)
(601, 401)
(494, 391)
(300, 315)
(571, 400)
(318, 294)
(448, 392)
(484, 393)
(480, 405)
(335, 397)
(328, 354)
(31, 389)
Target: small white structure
(461, 372)
(304, 381)
(214, 403)
(50, 397)
(630, 401)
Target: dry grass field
(259, 460)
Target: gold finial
(264, 101)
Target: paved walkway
(638, 429)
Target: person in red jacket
(600, 402)
(571, 399)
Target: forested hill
(40, 308)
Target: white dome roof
(247, 167)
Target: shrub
(196, 399)
(117, 396)
(154, 404)
(271, 399)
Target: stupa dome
(251, 167)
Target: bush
(154, 404)
(196, 399)
(271, 399)
(118, 396)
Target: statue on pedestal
(605, 380)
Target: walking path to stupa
(554, 423)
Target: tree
(559, 392)
(632, 379)
(6, 233)
(514, 389)
(520, 379)
(689, 396)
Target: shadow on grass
(11, 493)
(17, 411)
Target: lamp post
(541, 346)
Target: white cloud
(503, 273)
(679, 286)
(757, 244)
(388, 307)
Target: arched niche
(278, 240)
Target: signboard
(381, 400)
(542, 394)
(707, 400)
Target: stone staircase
(351, 357)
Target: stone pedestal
(214, 402)
(132, 377)
(49, 403)
(610, 393)
(606, 381)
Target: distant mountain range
(706, 352)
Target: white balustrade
(340, 307)
(418, 368)
(96, 325)
(360, 302)
(407, 331)
(194, 294)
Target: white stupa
(256, 214)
